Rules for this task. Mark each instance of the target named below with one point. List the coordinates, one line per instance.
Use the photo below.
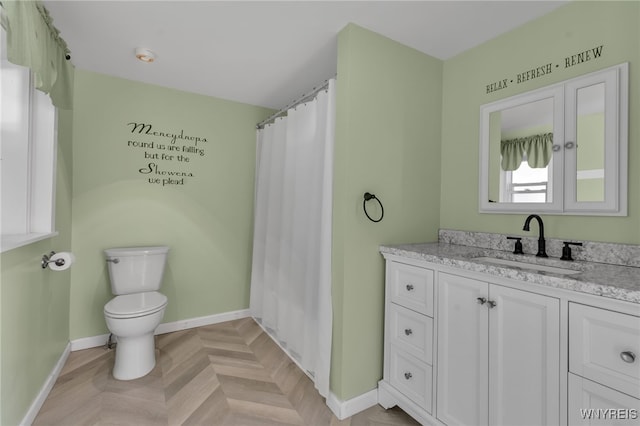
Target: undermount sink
(529, 266)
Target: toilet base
(135, 357)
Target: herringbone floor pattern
(223, 374)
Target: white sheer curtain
(291, 272)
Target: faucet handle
(518, 247)
(566, 250)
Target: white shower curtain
(291, 271)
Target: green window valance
(538, 148)
(33, 42)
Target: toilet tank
(136, 269)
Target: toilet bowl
(133, 318)
(137, 310)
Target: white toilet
(133, 315)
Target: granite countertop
(601, 279)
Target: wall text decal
(546, 69)
(165, 148)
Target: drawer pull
(481, 300)
(628, 356)
(408, 331)
(408, 375)
(492, 304)
(409, 287)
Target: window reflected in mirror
(521, 153)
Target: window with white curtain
(27, 157)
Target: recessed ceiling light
(145, 55)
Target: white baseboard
(33, 410)
(344, 409)
(168, 327)
(89, 342)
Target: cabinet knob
(481, 300)
(408, 331)
(409, 287)
(408, 375)
(492, 304)
(628, 356)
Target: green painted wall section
(569, 30)
(590, 141)
(590, 156)
(387, 143)
(35, 302)
(206, 219)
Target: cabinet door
(524, 358)
(596, 123)
(462, 397)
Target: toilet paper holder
(46, 259)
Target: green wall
(206, 219)
(571, 29)
(590, 156)
(34, 311)
(387, 143)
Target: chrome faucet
(541, 242)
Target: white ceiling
(265, 53)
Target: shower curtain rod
(295, 103)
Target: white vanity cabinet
(469, 344)
(604, 366)
(498, 354)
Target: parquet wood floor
(223, 374)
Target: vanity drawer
(411, 377)
(411, 287)
(604, 346)
(411, 331)
(593, 404)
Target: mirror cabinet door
(560, 149)
(521, 143)
(593, 157)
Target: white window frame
(508, 188)
(28, 147)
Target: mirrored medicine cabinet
(561, 149)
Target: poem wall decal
(168, 155)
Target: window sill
(10, 242)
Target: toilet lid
(135, 305)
